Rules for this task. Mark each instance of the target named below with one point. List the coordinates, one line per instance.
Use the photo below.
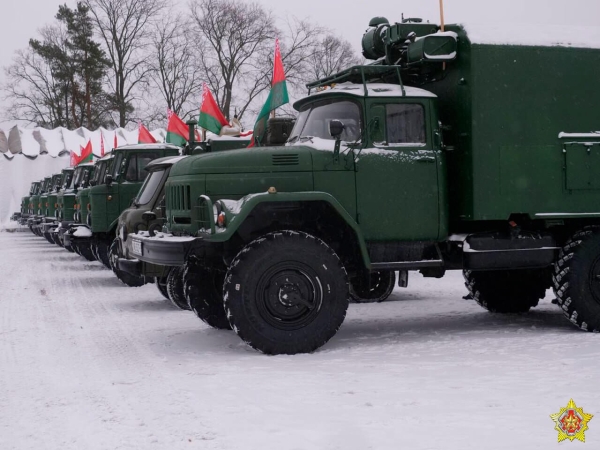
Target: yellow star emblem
(571, 422)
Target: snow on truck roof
(534, 35)
(375, 90)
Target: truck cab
(114, 192)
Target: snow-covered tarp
(30, 154)
(33, 142)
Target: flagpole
(442, 24)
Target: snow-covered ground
(88, 364)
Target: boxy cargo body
(506, 106)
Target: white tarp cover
(30, 154)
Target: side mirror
(336, 128)
(108, 180)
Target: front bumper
(161, 250)
(70, 237)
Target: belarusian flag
(278, 96)
(144, 136)
(86, 153)
(211, 118)
(74, 159)
(177, 130)
(101, 144)
(116, 141)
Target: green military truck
(92, 173)
(147, 213)
(36, 187)
(37, 200)
(446, 153)
(23, 214)
(108, 199)
(66, 203)
(50, 222)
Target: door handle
(425, 159)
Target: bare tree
(126, 27)
(332, 56)
(32, 91)
(236, 35)
(175, 72)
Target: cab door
(397, 173)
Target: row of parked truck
(445, 153)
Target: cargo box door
(582, 164)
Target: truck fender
(236, 212)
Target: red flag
(277, 97)
(101, 144)
(177, 130)
(116, 141)
(211, 118)
(86, 153)
(74, 159)
(144, 136)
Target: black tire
(49, 238)
(508, 291)
(175, 288)
(161, 284)
(100, 250)
(204, 293)
(56, 240)
(85, 250)
(286, 293)
(124, 277)
(577, 279)
(380, 288)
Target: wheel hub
(289, 296)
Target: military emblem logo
(571, 422)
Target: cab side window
(405, 124)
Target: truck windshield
(116, 168)
(77, 177)
(99, 174)
(68, 179)
(313, 120)
(150, 186)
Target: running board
(407, 265)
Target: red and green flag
(278, 96)
(116, 140)
(144, 136)
(177, 130)
(101, 144)
(85, 155)
(211, 118)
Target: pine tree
(79, 65)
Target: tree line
(113, 62)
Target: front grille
(180, 197)
(286, 159)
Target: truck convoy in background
(445, 153)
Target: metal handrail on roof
(362, 75)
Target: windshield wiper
(292, 140)
(306, 138)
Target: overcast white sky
(21, 18)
